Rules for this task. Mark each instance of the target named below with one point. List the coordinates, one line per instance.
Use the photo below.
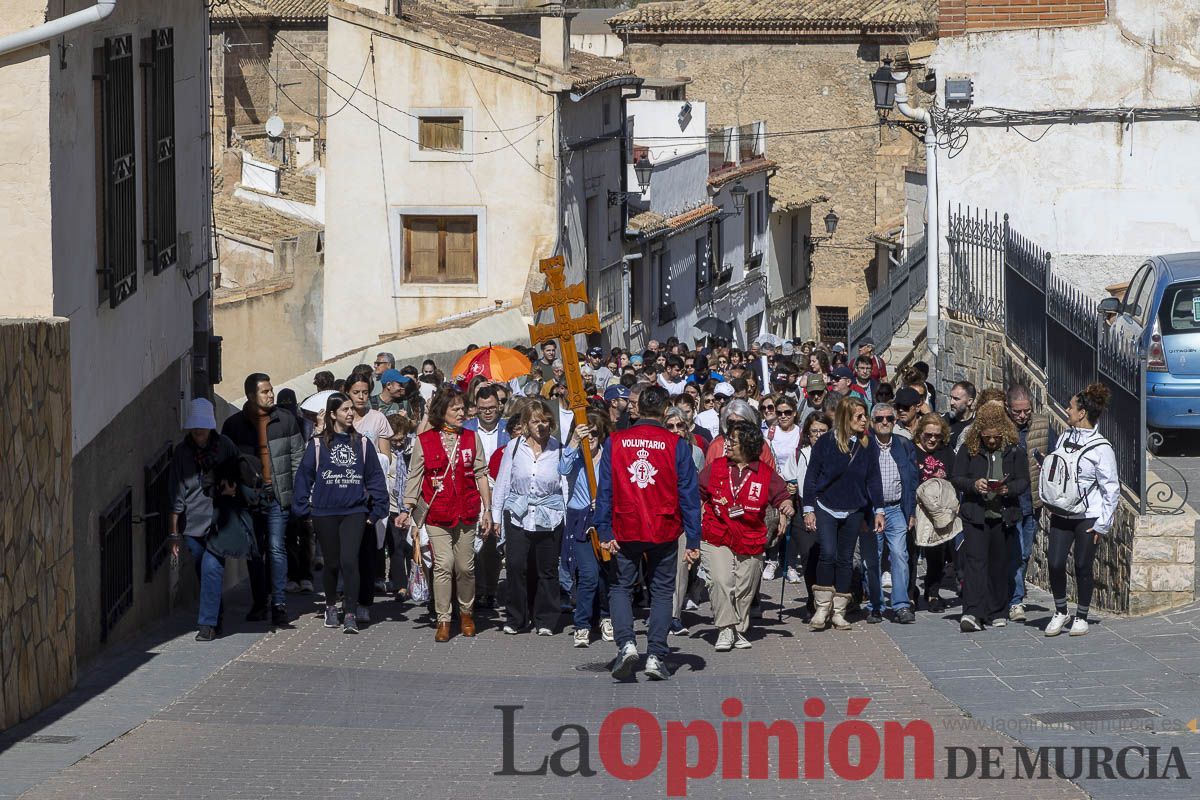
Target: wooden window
(833, 323)
(441, 133)
(441, 249)
(158, 117)
(702, 264)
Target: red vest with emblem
(458, 501)
(645, 485)
(746, 534)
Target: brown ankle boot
(468, 624)
(443, 632)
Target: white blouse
(529, 486)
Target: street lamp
(884, 87)
(643, 169)
(738, 193)
(831, 222)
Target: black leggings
(341, 538)
(1065, 533)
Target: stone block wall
(37, 561)
(1147, 562)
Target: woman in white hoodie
(1101, 489)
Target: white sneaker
(725, 640)
(1017, 613)
(1079, 627)
(544, 632)
(968, 624)
(741, 642)
(656, 670)
(769, 571)
(306, 586)
(999, 622)
(626, 663)
(583, 637)
(793, 576)
(606, 629)
(510, 630)
(886, 580)
(1056, 624)
(291, 587)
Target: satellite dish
(274, 126)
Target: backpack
(1060, 487)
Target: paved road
(309, 712)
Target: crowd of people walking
(713, 473)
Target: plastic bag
(418, 586)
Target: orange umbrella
(494, 363)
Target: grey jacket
(285, 442)
(191, 491)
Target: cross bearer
(647, 495)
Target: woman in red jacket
(736, 490)
(448, 475)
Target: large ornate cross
(557, 298)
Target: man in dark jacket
(899, 477)
(272, 436)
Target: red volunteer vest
(745, 535)
(645, 485)
(458, 501)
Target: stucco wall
(798, 87)
(1100, 196)
(25, 169)
(115, 353)
(371, 177)
(37, 557)
(273, 326)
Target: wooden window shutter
(460, 249)
(421, 248)
(441, 133)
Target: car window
(1135, 287)
(1144, 299)
(1180, 311)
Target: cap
(392, 376)
(723, 390)
(200, 416)
(815, 383)
(779, 377)
(907, 397)
(788, 349)
(839, 348)
(866, 341)
(636, 361)
(618, 391)
(596, 352)
(842, 372)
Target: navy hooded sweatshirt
(335, 486)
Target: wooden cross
(557, 298)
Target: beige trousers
(681, 578)
(453, 553)
(732, 580)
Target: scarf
(261, 419)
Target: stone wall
(799, 86)
(1147, 562)
(37, 564)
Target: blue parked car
(1162, 310)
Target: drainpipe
(932, 205)
(56, 27)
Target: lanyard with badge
(736, 510)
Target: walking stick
(783, 566)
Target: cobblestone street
(309, 712)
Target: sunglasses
(787, 412)
(885, 418)
(902, 408)
(768, 408)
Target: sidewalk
(310, 712)
(1136, 678)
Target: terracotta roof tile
(284, 10)
(257, 222)
(649, 223)
(724, 175)
(471, 36)
(708, 17)
(792, 191)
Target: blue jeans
(211, 571)
(1022, 549)
(660, 579)
(270, 527)
(896, 534)
(566, 568)
(837, 537)
(591, 585)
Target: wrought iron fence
(1000, 278)
(890, 303)
(116, 561)
(1026, 272)
(976, 282)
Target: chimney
(556, 41)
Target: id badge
(736, 511)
